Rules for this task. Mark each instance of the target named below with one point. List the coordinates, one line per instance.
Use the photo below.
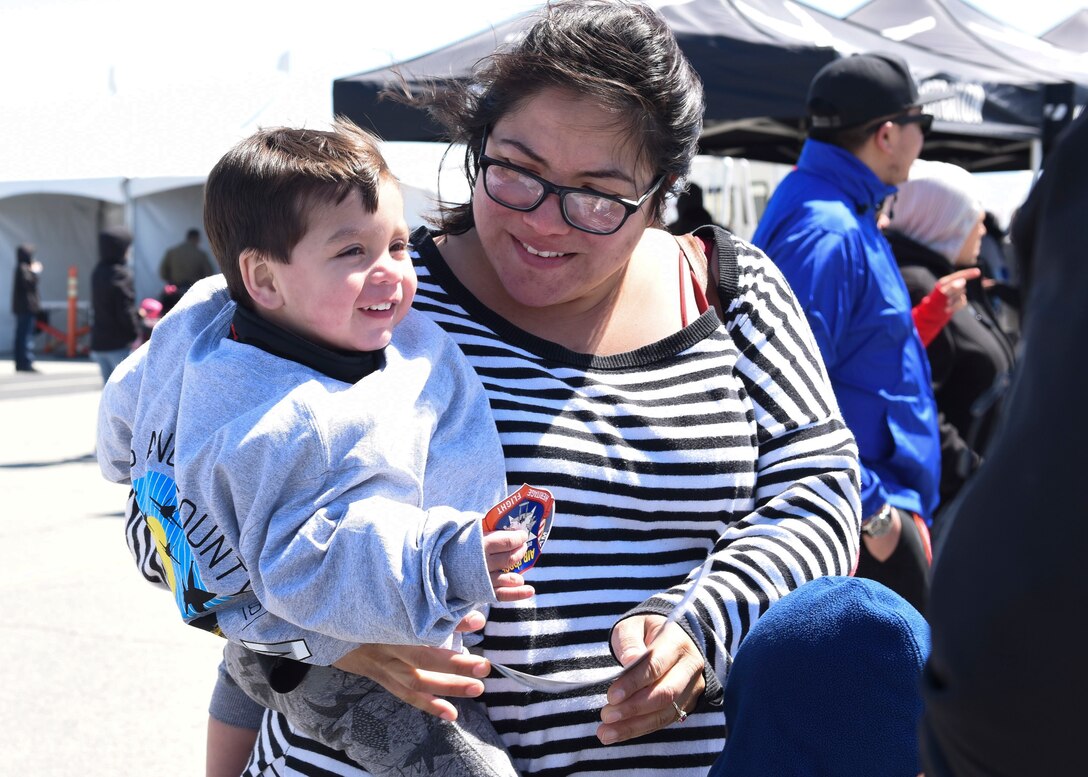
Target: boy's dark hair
(621, 55)
(260, 194)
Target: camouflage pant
(378, 731)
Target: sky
(199, 36)
(216, 69)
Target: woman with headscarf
(935, 228)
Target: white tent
(117, 115)
(62, 220)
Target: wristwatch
(879, 523)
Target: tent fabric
(161, 219)
(755, 75)
(957, 29)
(105, 189)
(1071, 34)
(988, 125)
(124, 127)
(63, 218)
(756, 59)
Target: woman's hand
(421, 675)
(642, 699)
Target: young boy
(311, 478)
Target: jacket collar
(347, 366)
(846, 172)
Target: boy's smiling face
(350, 279)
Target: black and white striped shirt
(722, 440)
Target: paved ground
(97, 674)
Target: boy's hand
(504, 549)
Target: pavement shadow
(111, 514)
(84, 459)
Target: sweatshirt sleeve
(117, 410)
(807, 521)
(116, 417)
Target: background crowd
(118, 324)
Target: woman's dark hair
(621, 55)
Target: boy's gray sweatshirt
(296, 513)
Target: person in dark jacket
(181, 267)
(1006, 673)
(690, 211)
(997, 258)
(935, 228)
(115, 324)
(26, 305)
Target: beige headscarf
(938, 206)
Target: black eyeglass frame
(547, 187)
(923, 120)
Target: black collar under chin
(348, 366)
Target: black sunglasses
(923, 120)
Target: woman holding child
(664, 434)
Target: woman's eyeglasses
(583, 209)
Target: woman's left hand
(641, 701)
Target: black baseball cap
(855, 90)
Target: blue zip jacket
(820, 229)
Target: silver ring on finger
(681, 716)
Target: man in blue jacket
(866, 128)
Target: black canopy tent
(756, 62)
(988, 124)
(954, 28)
(746, 73)
(1071, 34)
